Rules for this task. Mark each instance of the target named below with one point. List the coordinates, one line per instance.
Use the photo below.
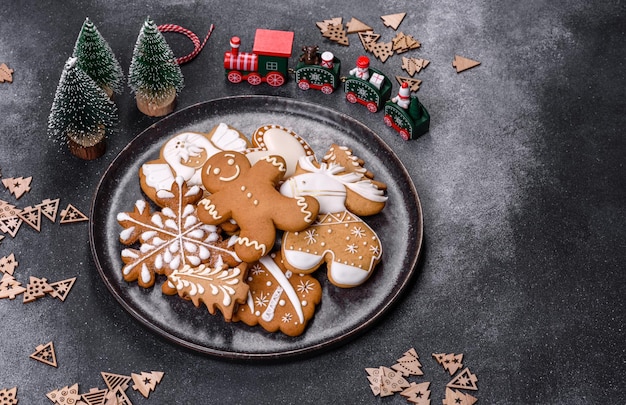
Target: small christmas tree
(81, 113)
(154, 76)
(95, 57)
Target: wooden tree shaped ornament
(367, 39)
(393, 20)
(323, 25)
(8, 264)
(71, 214)
(385, 381)
(413, 65)
(32, 217)
(8, 210)
(61, 289)
(49, 208)
(45, 354)
(418, 394)
(145, 382)
(8, 396)
(65, 395)
(355, 25)
(337, 33)
(36, 288)
(95, 396)
(449, 361)
(382, 50)
(6, 74)
(10, 225)
(10, 287)
(465, 380)
(461, 63)
(17, 186)
(114, 381)
(414, 84)
(409, 364)
(458, 398)
(117, 396)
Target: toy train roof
(273, 43)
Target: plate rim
(283, 354)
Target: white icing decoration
(273, 268)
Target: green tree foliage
(80, 108)
(153, 71)
(95, 57)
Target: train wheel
(327, 89)
(304, 85)
(351, 97)
(275, 79)
(372, 107)
(404, 134)
(255, 79)
(388, 120)
(234, 77)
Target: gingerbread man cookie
(184, 155)
(248, 195)
(350, 248)
(279, 299)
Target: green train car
(321, 72)
(410, 123)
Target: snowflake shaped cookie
(169, 239)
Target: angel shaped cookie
(184, 155)
(248, 195)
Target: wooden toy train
(269, 63)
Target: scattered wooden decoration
(65, 395)
(409, 364)
(8, 396)
(146, 382)
(355, 25)
(45, 354)
(8, 264)
(6, 73)
(382, 50)
(10, 287)
(458, 398)
(413, 65)
(393, 20)
(17, 186)
(36, 288)
(71, 214)
(403, 43)
(414, 84)
(385, 381)
(323, 25)
(461, 63)
(464, 380)
(114, 381)
(61, 289)
(49, 208)
(117, 396)
(7, 210)
(337, 33)
(367, 39)
(95, 396)
(418, 394)
(451, 362)
(32, 216)
(1, 237)
(10, 225)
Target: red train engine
(268, 62)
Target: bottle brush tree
(154, 76)
(95, 57)
(82, 113)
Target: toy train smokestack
(235, 42)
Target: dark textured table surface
(521, 181)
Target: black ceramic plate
(343, 313)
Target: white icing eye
(231, 162)
(216, 171)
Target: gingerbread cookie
(169, 239)
(217, 287)
(184, 155)
(344, 156)
(279, 299)
(350, 248)
(248, 195)
(277, 140)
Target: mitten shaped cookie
(338, 237)
(248, 194)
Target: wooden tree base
(153, 108)
(93, 149)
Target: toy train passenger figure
(403, 99)
(327, 60)
(362, 68)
